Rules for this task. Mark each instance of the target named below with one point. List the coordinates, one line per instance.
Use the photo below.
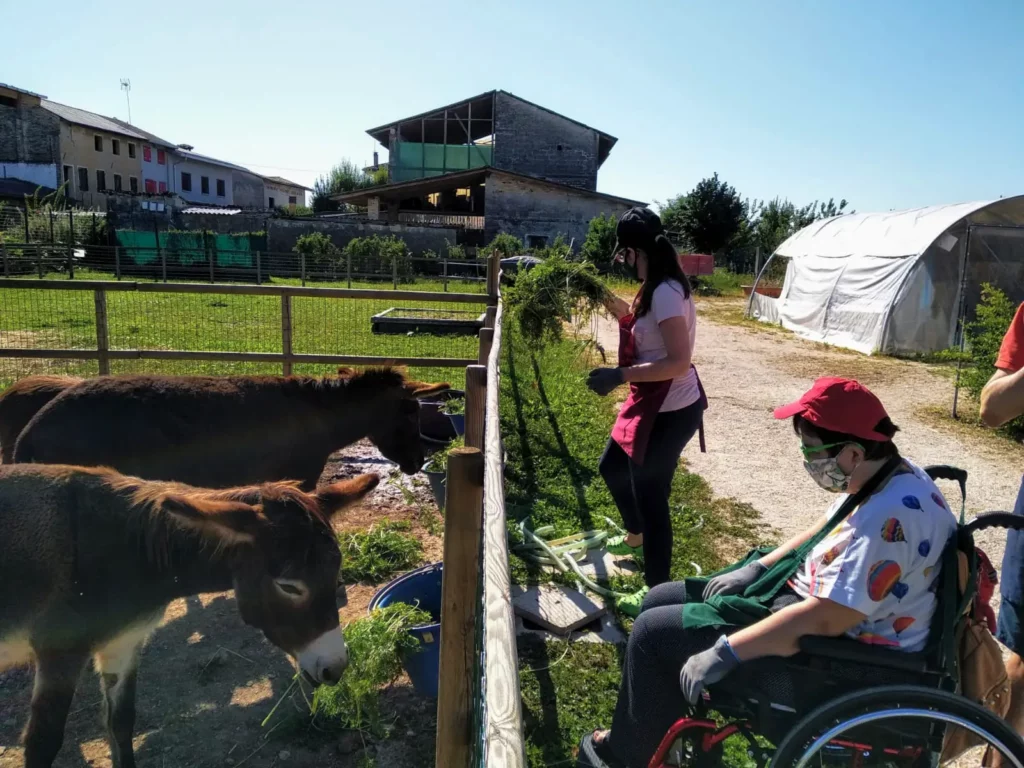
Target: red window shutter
(147, 154)
(163, 186)
(161, 158)
(150, 186)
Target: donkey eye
(290, 587)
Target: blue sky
(889, 104)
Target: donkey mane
(148, 520)
(357, 384)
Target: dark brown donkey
(21, 401)
(216, 432)
(89, 560)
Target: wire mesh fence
(192, 263)
(87, 328)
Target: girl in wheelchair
(868, 569)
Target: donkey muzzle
(324, 660)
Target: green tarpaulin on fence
(188, 249)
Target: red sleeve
(1011, 353)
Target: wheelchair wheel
(896, 725)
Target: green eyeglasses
(810, 450)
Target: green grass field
(65, 319)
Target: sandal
(630, 605)
(596, 754)
(617, 545)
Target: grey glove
(604, 380)
(707, 668)
(733, 582)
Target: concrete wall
(247, 190)
(35, 173)
(77, 149)
(535, 142)
(197, 169)
(522, 208)
(29, 134)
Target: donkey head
(395, 427)
(284, 562)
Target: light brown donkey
(89, 560)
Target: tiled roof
(21, 90)
(195, 156)
(284, 182)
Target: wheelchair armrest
(847, 649)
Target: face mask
(630, 269)
(827, 474)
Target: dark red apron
(632, 428)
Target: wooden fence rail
(286, 358)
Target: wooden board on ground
(556, 608)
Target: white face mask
(828, 474)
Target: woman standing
(666, 403)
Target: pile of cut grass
(375, 555)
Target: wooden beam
(484, 350)
(491, 317)
(476, 400)
(503, 717)
(286, 335)
(236, 357)
(462, 523)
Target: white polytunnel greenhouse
(897, 282)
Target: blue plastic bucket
(421, 587)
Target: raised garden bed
(774, 291)
(458, 322)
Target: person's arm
(678, 354)
(780, 633)
(777, 554)
(1002, 399)
(618, 308)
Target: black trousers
(641, 491)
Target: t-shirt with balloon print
(883, 560)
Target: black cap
(637, 228)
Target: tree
(709, 218)
(505, 244)
(321, 254)
(346, 176)
(597, 247)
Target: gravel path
(747, 372)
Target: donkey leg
(118, 665)
(56, 677)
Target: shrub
(993, 316)
(456, 252)
(507, 245)
(321, 254)
(597, 247)
(376, 254)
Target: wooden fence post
(394, 272)
(486, 339)
(71, 262)
(493, 273)
(286, 334)
(259, 273)
(209, 258)
(348, 268)
(476, 401)
(7, 266)
(117, 261)
(39, 262)
(463, 519)
(102, 332)
(302, 267)
(445, 273)
(489, 316)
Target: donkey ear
(346, 372)
(421, 389)
(336, 497)
(231, 522)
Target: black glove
(733, 582)
(707, 668)
(604, 380)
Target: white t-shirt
(668, 301)
(884, 561)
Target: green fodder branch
(376, 554)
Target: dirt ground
(749, 371)
(207, 680)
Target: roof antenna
(126, 86)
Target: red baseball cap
(839, 405)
